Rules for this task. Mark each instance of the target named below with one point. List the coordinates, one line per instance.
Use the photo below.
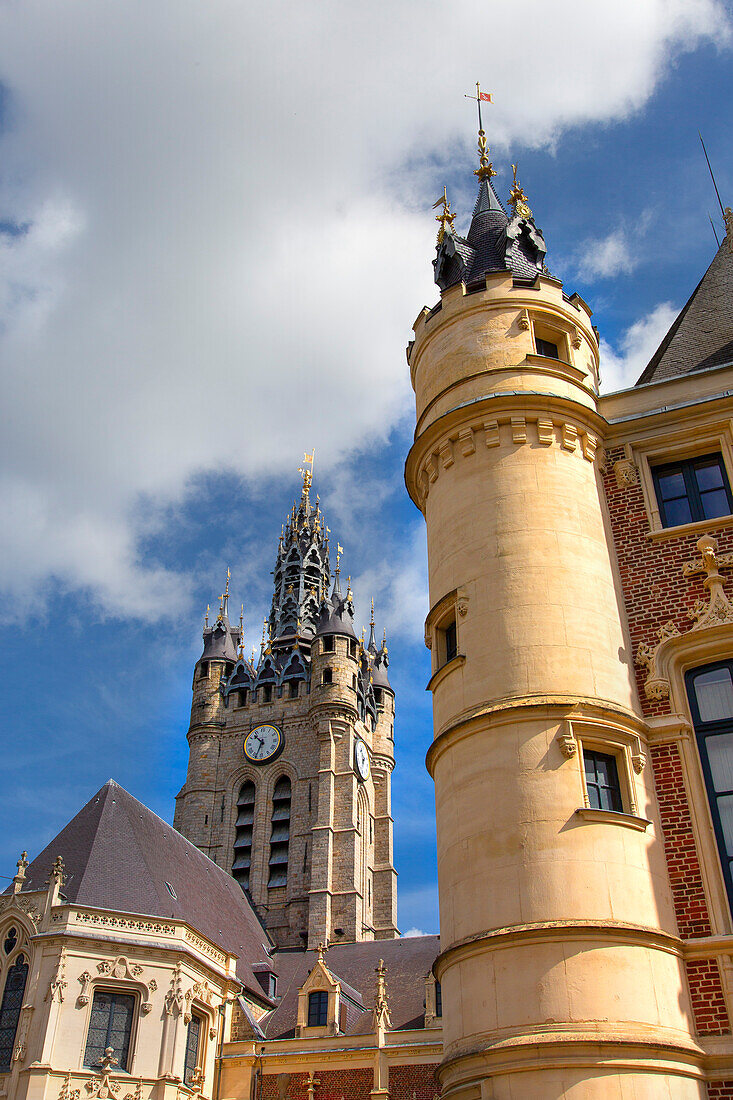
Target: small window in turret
(228, 668)
(547, 348)
(242, 697)
(203, 670)
(451, 643)
(267, 693)
(328, 676)
(293, 686)
(378, 696)
(352, 648)
(328, 643)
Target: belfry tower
(291, 754)
(560, 962)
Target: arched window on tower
(10, 1007)
(243, 836)
(280, 836)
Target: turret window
(242, 697)
(449, 640)
(328, 676)
(280, 835)
(602, 781)
(293, 689)
(328, 644)
(547, 348)
(267, 693)
(203, 670)
(352, 648)
(243, 836)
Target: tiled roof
(408, 962)
(119, 855)
(702, 334)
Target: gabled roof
(119, 855)
(408, 963)
(702, 334)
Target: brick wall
(419, 1082)
(335, 1084)
(656, 592)
(720, 1090)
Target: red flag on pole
(486, 96)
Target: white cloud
(223, 255)
(636, 346)
(411, 933)
(607, 257)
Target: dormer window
(318, 1008)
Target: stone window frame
(432, 1018)
(208, 1014)
(13, 919)
(320, 980)
(629, 752)
(678, 446)
(118, 986)
(450, 609)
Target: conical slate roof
(702, 334)
(119, 855)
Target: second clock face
(361, 759)
(263, 744)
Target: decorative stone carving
(626, 473)
(491, 433)
(58, 984)
(569, 437)
(719, 609)
(575, 337)
(15, 901)
(21, 1039)
(446, 454)
(174, 998)
(523, 320)
(67, 1093)
(519, 429)
(103, 1087)
(590, 445)
(568, 744)
(200, 991)
(656, 686)
(120, 968)
(466, 442)
(83, 998)
(546, 432)
(462, 605)
(138, 1093)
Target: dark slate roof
(220, 642)
(702, 334)
(119, 855)
(494, 243)
(408, 963)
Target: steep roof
(408, 962)
(702, 334)
(119, 855)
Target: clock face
(361, 760)
(263, 744)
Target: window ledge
(444, 670)
(689, 528)
(612, 817)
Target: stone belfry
(560, 965)
(291, 753)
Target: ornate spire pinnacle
(224, 601)
(485, 169)
(446, 217)
(241, 634)
(380, 1014)
(518, 199)
(306, 471)
(20, 877)
(372, 647)
(349, 593)
(339, 552)
(206, 616)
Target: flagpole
(478, 100)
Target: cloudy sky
(215, 234)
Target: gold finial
(322, 949)
(226, 587)
(371, 623)
(349, 593)
(241, 634)
(253, 655)
(339, 552)
(485, 169)
(264, 632)
(384, 641)
(518, 199)
(206, 616)
(446, 217)
(306, 471)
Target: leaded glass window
(110, 1025)
(193, 1039)
(710, 691)
(10, 1007)
(11, 941)
(318, 1008)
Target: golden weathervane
(518, 199)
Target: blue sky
(215, 234)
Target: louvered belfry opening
(243, 837)
(280, 836)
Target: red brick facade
(405, 1083)
(720, 1090)
(656, 592)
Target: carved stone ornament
(15, 901)
(83, 998)
(656, 686)
(200, 991)
(626, 473)
(67, 1093)
(103, 1086)
(138, 1093)
(21, 1039)
(120, 968)
(568, 744)
(58, 984)
(719, 609)
(174, 998)
(462, 606)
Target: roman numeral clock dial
(263, 744)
